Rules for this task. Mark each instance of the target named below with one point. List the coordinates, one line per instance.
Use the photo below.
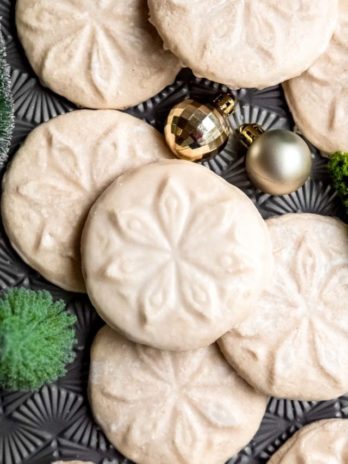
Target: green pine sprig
(36, 339)
(338, 168)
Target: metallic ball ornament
(278, 162)
(195, 131)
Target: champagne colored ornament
(278, 162)
(195, 131)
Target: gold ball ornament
(278, 162)
(195, 131)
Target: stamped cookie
(295, 343)
(56, 176)
(97, 53)
(324, 441)
(249, 43)
(160, 407)
(174, 256)
(319, 98)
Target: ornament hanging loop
(248, 133)
(225, 103)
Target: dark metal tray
(56, 422)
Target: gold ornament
(278, 162)
(195, 131)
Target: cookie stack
(209, 309)
(55, 177)
(172, 257)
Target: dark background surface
(55, 422)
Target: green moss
(36, 339)
(6, 104)
(338, 167)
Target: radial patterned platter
(56, 422)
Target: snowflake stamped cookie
(250, 39)
(97, 53)
(295, 343)
(318, 98)
(165, 407)
(325, 441)
(169, 252)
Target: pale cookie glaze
(56, 176)
(319, 98)
(97, 53)
(173, 255)
(323, 442)
(246, 43)
(160, 407)
(295, 343)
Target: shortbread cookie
(56, 176)
(174, 256)
(325, 441)
(96, 53)
(160, 407)
(319, 98)
(249, 43)
(295, 343)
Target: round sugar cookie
(249, 43)
(160, 407)
(319, 98)
(97, 53)
(56, 176)
(295, 343)
(325, 441)
(174, 256)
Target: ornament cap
(248, 133)
(225, 103)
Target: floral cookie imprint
(160, 407)
(295, 343)
(173, 255)
(243, 43)
(325, 441)
(318, 98)
(97, 53)
(56, 176)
